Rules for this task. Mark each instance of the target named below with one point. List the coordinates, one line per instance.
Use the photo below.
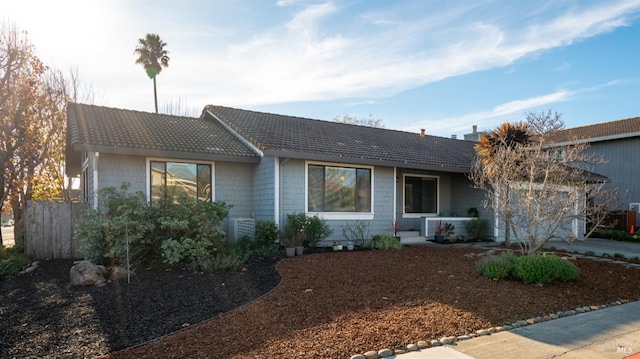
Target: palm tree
(153, 57)
(506, 136)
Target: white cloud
(312, 58)
(490, 119)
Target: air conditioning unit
(240, 227)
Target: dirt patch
(329, 305)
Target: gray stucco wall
(113, 170)
(264, 189)
(234, 186)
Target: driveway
(598, 247)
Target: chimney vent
(422, 132)
(454, 137)
(475, 128)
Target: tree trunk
(155, 93)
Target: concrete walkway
(613, 332)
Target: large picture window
(338, 189)
(420, 194)
(180, 177)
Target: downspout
(96, 157)
(276, 189)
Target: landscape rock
(87, 273)
(412, 347)
(385, 353)
(371, 355)
(422, 344)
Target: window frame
(351, 216)
(404, 198)
(174, 160)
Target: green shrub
(12, 259)
(617, 235)
(544, 269)
(496, 267)
(541, 269)
(267, 232)
(177, 230)
(477, 228)
(383, 241)
(315, 228)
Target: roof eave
(194, 156)
(363, 161)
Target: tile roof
(629, 127)
(111, 130)
(295, 137)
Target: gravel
(328, 305)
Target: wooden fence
(49, 228)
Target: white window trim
(420, 215)
(346, 216)
(162, 159)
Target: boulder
(87, 273)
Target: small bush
(496, 267)
(267, 232)
(617, 235)
(477, 228)
(618, 255)
(541, 269)
(12, 259)
(544, 269)
(383, 242)
(315, 228)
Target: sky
(442, 66)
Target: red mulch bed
(334, 305)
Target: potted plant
(473, 212)
(350, 246)
(289, 244)
(298, 241)
(449, 229)
(439, 236)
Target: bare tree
(539, 190)
(352, 120)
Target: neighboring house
(618, 142)
(269, 165)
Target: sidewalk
(613, 332)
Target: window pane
(204, 183)
(316, 189)
(157, 180)
(181, 178)
(363, 195)
(420, 195)
(338, 189)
